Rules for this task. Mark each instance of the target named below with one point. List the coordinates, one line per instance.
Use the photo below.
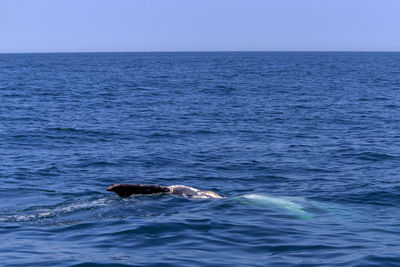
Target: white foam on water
(49, 212)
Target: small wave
(197, 132)
(383, 198)
(392, 106)
(79, 131)
(160, 135)
(94, 164)
(383, 259)
(370, 156)
(38, 213)
(94, 264)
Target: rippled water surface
(305, 146)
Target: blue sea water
(305, 146)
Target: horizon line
(208, 51)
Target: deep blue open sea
(305, 146)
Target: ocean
(305, 146)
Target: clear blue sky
(204, 25)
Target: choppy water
(304, 145)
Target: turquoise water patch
(297, 207)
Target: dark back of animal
(126, 190)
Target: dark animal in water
(126, 190)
